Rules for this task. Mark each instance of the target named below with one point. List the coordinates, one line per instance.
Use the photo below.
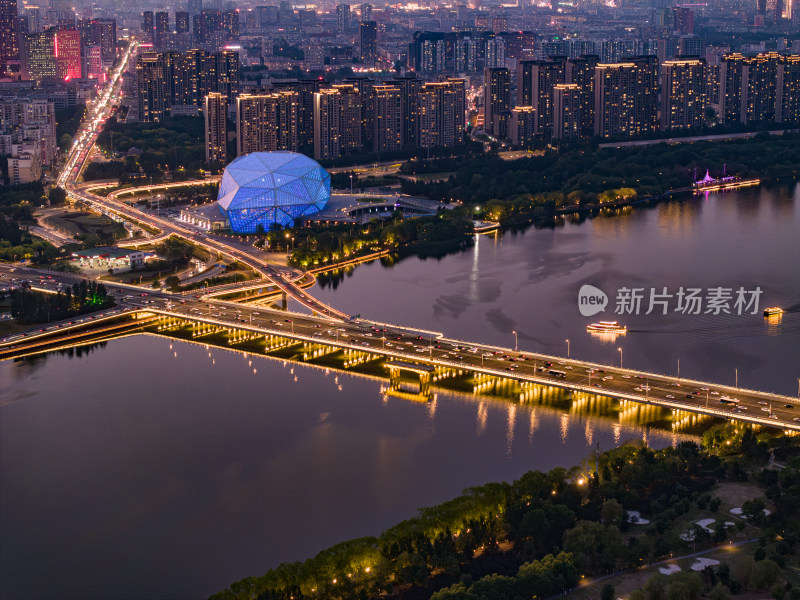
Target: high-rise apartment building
(215, 114)
(522, 125)
(441, 113)
(388, 136)
(267, 122)
(496, 98)
(327, 107)
(305, 90)
(410, 87)
(366, 12)
(343, 17)
(368, 37)
(580, 71)
(351, 118)
(683, 94)
(759, 88)
(787, 99)
(626, 98)
(566, 112)
(182, 22)
(162, 29)
(166, 79)
(731, 70)
(148, 26)
(9, 38)
(535, 82)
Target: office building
(215, 114)
(67, 51)
(38, 56)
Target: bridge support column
(283, 301)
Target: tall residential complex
(496, 100)
(167, 79)
(388, 135)
(215, 114)
(441, 113)
(267, 122)
(9, 37)
(566, 111)
(683, 94)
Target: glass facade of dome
(263, 188)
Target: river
(157, 468)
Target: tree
(611, 512)
(57, 196)
(156, 283)
(656, 587)
(607, 593)
(172, 282)
(764, 573)
(684, 586)
(597, 545)
(719, 592)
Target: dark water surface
(154, 468)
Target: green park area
(715, 520)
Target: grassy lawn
(77, 223)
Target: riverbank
(502, 539)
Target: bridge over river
(404, 354)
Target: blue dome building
(263, 188)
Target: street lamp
(515, 340)
(567, 348)
(620, 357)
(736, 373)
(351, 184)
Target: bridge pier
(274, 342)
(312, 351)
(357, 357)
(284, 301)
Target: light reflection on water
(207, 464)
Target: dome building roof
(263, 188)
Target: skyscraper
(343, 17)
(148, 25)
(366, 12)
(496, 99)
(626, 98)
(566, 111)
(787, 103)
(38, 56)
(67, 52)
(683, 94)
(267, 122)
(327, 104)
(368, 36)
(162, 29)
(731, 68)
(535, 83)
(441, 113)
(580, 71)
(9, 37)
(388, 136)
(215, 114)
(182, 22)
(351, 118)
